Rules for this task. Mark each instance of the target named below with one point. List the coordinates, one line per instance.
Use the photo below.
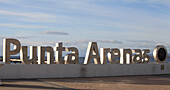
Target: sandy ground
(159, 82)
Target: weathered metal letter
(103, 55)
(6, 49)
(126, 56)
(146, 58)
(72, 58)
(92, 53)
(58, 53)
(115, 53)
(137, 58)
(41, 55)
(24, 55)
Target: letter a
(92, 53)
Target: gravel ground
(158, 82)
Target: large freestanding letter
(113, 55)
(41, 55)
(92, 53)
(24, 55)
(103, 55)
(72, 58)
(6, 49)
(145, 56)
(58, 53)
(125, 56)
(137, 58)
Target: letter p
(7, 51)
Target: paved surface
(159, 82)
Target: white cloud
(164, 2)
(31, 16)
(54, 32)
(72, 43)
(17, 37)
(23, 26)
(147, 44)
(7, 1)
(141, 41)
(86, 41)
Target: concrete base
(1, 64)
(26, 71)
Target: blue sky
(112, 23)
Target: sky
(134, 24)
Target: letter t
(58, 54)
